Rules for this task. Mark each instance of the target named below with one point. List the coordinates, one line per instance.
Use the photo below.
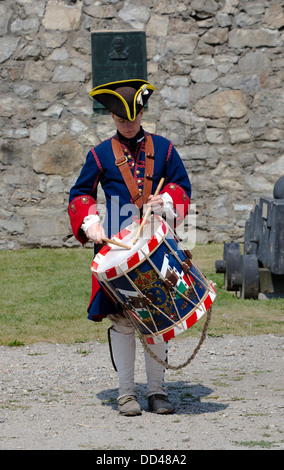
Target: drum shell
(160, 310)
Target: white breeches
(124, 351)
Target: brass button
(172, 186)
(137, 172)
(133, 164)
(139, 181)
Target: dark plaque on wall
(117, 55)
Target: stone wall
(218, 67)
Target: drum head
(112, 260)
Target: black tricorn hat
(124, 98)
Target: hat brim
(128, 109)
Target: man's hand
(96, 232)
(156, 202)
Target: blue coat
(100, 168)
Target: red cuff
(180, 199)
(78, 209)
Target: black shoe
(160, 404)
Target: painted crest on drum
(159, 297)
(156, 293)
(157, 305)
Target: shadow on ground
(186, 398)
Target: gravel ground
(62, 397)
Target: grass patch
(251, 444)
(45, 294)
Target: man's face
(127, 128)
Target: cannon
(258, 272)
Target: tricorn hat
(124, 98)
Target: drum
(155, 280)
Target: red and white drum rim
(187, 322)
(133, 260)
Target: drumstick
(114, 242)
(148, 211)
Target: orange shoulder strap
(121, 162)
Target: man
(129, 167)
